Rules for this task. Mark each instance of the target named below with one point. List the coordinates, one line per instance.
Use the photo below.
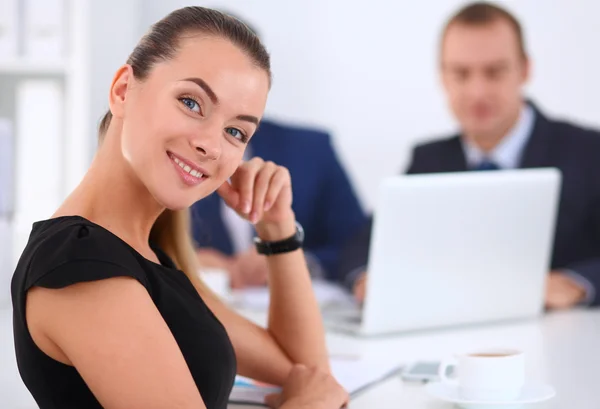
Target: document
(353, 373)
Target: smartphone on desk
(424, 371)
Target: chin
(174, 200)
(480, 127)
(173, 205)
(180, 200)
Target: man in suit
(325, 205)
(484, 66)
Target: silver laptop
(457, 248)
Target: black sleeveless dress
(71, 249)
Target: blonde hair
(171, 232)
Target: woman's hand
(309, 388)
(261, 192)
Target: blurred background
(366, 72)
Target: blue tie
(487, 164)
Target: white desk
(563, 349)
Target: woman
(108, 311)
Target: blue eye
(236, 133)
(191, 104)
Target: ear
(118, 90)
(526, 69)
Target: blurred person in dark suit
(484, 66)
(325, 204)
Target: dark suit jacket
(324, 200)
(573, 150)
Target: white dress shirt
(508, 153)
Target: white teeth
(187, 168)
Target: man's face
(483, 71)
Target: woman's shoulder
(70, 249)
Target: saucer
(531, 393)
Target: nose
(207, 143)
(478, 87)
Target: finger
(261, 186)
(280, 179)
(551, 296)
(573, 285)
(230, 196)
(273, 400)
(552, 292)
(562, 292)
(551, 282)
(571, 296)
(560, 300)
(243, 182)
(559, 304)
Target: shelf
(29, 67)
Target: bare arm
(258, 354)
(269, 354)
(112, 333)
(294, 316)
(295, 333)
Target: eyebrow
(215, 100)
(202, 84)
(248, 118)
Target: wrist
(275, 231)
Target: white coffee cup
(492, 374)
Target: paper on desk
(258, 298)
(354, 375)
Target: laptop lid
(460, 248)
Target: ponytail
(171, 232)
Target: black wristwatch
(293, 243)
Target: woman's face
(186, 126)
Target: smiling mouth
(190, 174)
(187, 168)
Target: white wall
(112, 25)
(98, 41)
(367, 70)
